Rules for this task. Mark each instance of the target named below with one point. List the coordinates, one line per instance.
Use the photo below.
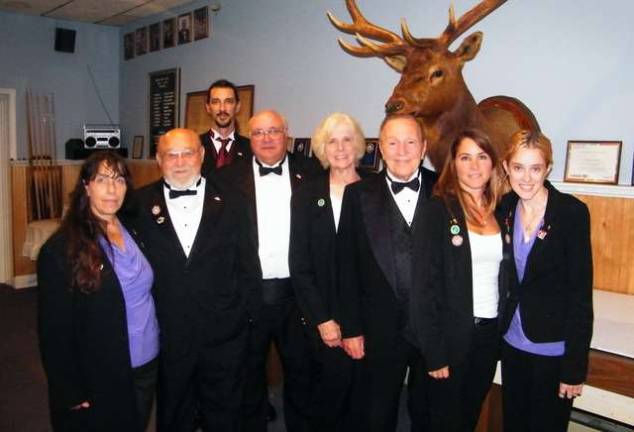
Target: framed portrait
(185, 28)
(128, 46)
(201, 23)
(140, 41)
(155, 37)
(593, 162)
(196, 116)
(169, 33)
(372, 157)
(301, 146)
(137, 147)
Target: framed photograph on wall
(140, 41)
(155, 37)
(137, 147)
(196, 116)
(169, 33)
(185, 28)
(372, 156)
(593, 162)
(301, 146)
(201, 23)
(128, 46)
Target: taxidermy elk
(432, 87)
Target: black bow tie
(174, 193)
(399, 186)
(266, 170)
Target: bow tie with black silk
(399, 186)
(266, 170)
(175, 193)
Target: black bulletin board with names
(164, 104)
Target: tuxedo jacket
(555, 295)
(368, 303)
(240, 150)
(205, 298)
(83, 341)
(441, 313)
(313, 248)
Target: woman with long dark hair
(456, 290)
(97, 324)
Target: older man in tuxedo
(201, 246)
(223, 144)
(378, 217)
(267, 181)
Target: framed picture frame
(196, 116)
(185, 28)
(201, 23)
(301, 146)
(169, 33)
(137, 147)
(128, 46)
(594, 162)
(140, 41)
(372, 157)
(155, 36)
(163, 105)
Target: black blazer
(441, 313)
(208, 297)
(555, 294)
(83, 341)
(240, 150)
(368, 304)
(313, 250)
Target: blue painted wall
(28, 60)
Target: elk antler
(363, 29)
(455, 28)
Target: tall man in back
(267, 181)
(378, 217)
(223, 145)
(207, 278)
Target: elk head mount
(431, 86)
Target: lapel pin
(321, 202)
(456, 240)
(160, 220)
(240, 154)
(454, 229)
(156, 210)
(101, 267)
(217, 198)
(507, 238)
(298, 175)
(542, 233)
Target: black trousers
(332, 379)
(211, 381)
(455, 402)
(144, 378)
(378, 383)
(282, 324)
(530, 388)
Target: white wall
(570, 61)
(28, 60)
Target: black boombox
(102, 137)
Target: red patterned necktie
(223, 155)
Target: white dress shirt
(185, 213)
(336, 202)
(273, 205)
(406, 199)
(218, 144)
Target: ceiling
(107, 12)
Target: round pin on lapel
(456, 240)
(156, 210)
(454, 229)
(321, 202)
(507, 238)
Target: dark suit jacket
(84, 346)
(555, 294)
(368, 304)
(442, 299)
(208, 297)
(240, 150)
(313, 249)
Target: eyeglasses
(172, 156)
(261, 133)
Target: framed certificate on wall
(593, 162)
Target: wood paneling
(611, 372)
(612, 229)
(144, 172)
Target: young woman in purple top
(547, 324)
(97, 325)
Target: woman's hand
(568, 391)
(354, 347)
(442, 373)
(83, 405)
(330, 333)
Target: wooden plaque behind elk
(431, 86)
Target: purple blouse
(515, 335)
(136, 278)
